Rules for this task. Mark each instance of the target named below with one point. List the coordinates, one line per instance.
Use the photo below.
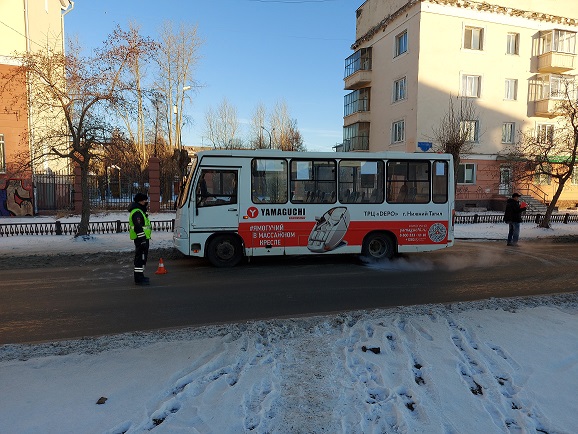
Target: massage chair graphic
(328, 232)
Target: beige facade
(26, 26)
(410, 56)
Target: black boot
(141, 280)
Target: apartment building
(25, 26)
(508, 56)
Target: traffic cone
(161, 268)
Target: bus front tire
(224, 251)
(378, 246)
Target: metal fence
(526, 218)
(114, 190)
(109, 191)
(118, 226)
(60, 228)
(54, 191)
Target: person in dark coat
(140, 232)
(513, 216)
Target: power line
(25, 37)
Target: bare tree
(221, 126)
(177, 59)
(74, 93)
(257, 128)
(135, 73)
(284, 130)
(456, 131)
(549, 152)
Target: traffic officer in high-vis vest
(140, 231)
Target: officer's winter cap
(139, 197)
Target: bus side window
(361, 181)
(408, 181)
(313, 181)
(269, 180)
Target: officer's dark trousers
(141, 253)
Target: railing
(526, 218)
(533, 190)
(60, 228)
(118, 226)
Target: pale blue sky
(254, 51)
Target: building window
(512, 43)
(357, 101)
(511, 89)
(399, 89)
(473, 38)
(470, 131)
(471, 85)
(545, 133)
(398, 131)
(401, 43)
(542, 175)
(2, 154)
(466, 173)
(553, 86)
(508, 132)
(360, 60)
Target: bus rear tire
(224, 251)
(378, 246)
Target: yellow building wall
(42, 22)
(434, 65)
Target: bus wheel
(378, 246)
(224, 251)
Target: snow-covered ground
(493, 366)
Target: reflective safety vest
(147, 227)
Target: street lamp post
(177, 127)
(265, 129)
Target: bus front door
(216, 200)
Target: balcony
(555, 62)
(357, 117)
(546, 108)
(354, 144)
(359, 79)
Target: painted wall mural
(15, 198)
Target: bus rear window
(269, 180)
(440, 182)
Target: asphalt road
(75, 298)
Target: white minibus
(244, 203)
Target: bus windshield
(184, 192)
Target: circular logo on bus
(437, 232)
(252, 212)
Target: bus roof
(265, 153)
